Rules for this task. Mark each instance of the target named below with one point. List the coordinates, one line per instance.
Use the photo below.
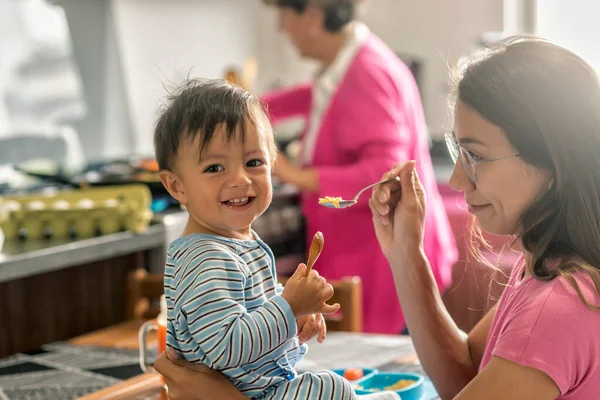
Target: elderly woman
(526, 141)
(363, 115)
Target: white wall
(279, 61)
(438, 32)
(579, 32)
(160, 41)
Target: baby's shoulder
(201, 250)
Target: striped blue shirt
(225, 311)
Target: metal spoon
(350, 203)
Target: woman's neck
(331, 45)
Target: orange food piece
(353, 374)
(149, 164)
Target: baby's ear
(174, 186)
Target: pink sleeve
(374, 128)
(290, 102)
(556, 334)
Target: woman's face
(300, 28)
(505, 188)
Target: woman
(527, 138)
(363, 115)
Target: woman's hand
(284, 169)
(309, 326)
(306, 179)
(399, 213)
(193, 381)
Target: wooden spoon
(315, 250)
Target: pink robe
(374, 121)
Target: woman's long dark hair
(547, 101)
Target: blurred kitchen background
(80, 83)
(92, 72)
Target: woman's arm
(449, 356)
(289, 102)
(502, 379)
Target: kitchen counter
(23, 258)
(55, 289)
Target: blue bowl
(367, 372)
(379, 381)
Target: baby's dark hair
(198, 107)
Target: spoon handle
(397, 179)
(315, 250)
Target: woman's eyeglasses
(457, 152)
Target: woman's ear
(174, 185)
(315, 18)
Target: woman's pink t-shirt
(546, 326)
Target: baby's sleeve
(554, 333)
(210, 293)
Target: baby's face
(230, 185)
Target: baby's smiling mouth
(239, 201)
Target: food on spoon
(333, 200)
(353, 374)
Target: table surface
(383, 352)
(105, 364)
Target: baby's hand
(311, 325)
(307, 295)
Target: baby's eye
(255, 163)
(214, 168)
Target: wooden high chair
(347, 292)
(145, 289)
(143, 293)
